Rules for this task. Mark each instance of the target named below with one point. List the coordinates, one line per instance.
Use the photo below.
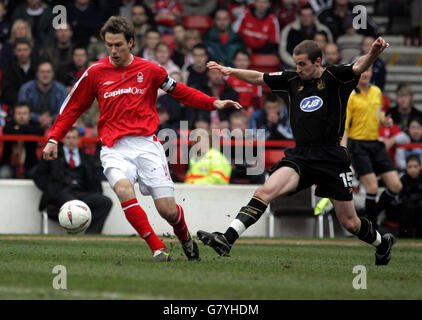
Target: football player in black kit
(317, 99)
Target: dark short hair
(417, 119)
(79, 47)
(116, 25)
(242, 51)
(201, 46)
(271, 97)
(306, 6)
(21, 104)
(22, 41)
(413, 157)
(75, 129)
(309, 47)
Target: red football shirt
(126, 98)
(245, 90)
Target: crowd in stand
(39, 63)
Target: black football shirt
(317, 108)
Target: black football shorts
(328, 167)
(369, 157)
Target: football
(75, 216)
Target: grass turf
(109, 269)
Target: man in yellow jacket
(207, 165)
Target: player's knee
(124, 192)
(168, 212)
(396, 187)
(351, 225)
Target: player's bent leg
(364, 230)
(282, 181)
(370, 183)
(174, 215)
(394, 187)
(138, 219)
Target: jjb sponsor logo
(123, 91)
(311, 104)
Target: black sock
(367, 232)
(385, 200)
(247, 216)
(371, 206)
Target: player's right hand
(212, 65)
(50, 151)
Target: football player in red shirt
(126, 89)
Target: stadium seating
(201, 23)
(265, 62)
(169, 40)
(272, 156)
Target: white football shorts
(139, 159)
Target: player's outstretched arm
(364, 62)
(249, 76)
(221, 104)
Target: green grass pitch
(121, 268)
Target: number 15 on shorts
(347, 179)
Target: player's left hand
(378, 46)
(221, 104)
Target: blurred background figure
(206, 164)
(73, 175)
(19, 157)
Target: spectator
(249, 94)
(378, 67)
(85, 19)
(199, 7)
(238, 125)
(96, 49)
(349, 43)
(19, 157)
(273, 117)
(20, 70)
(259, 28)
(197, 78)
(410, 208)
(392, 137)
(321, 38)
(192, 38)
(219, 88)
(73, 175)
(44, 95)
(141, 23)
(303, 28)
(404, 111)
(207, 165)
(334, 16)
(179, 50)
(331, 54)
(415, 134)
(125, 10)
(162, 56)
(167, 13)
(20, 30)
(70, 74)
(286, 12)
(152, 38)
(60, 52)
(221, 41)
(40, 18)
(4, 24)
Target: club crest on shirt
(311, 104)
(320, 85)
(140, 77)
